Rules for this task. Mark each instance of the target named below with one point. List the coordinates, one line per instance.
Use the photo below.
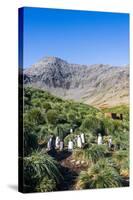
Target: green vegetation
(99, 175)
(38, 167)
(45, 115)
(119, 109)
(95, 152)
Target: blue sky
(82, 37)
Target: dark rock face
(99, 85)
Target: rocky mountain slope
(98, 85)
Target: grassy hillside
(123, 109)
(45, 115)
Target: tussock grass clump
(99, 175)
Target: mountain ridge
(97, 85)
